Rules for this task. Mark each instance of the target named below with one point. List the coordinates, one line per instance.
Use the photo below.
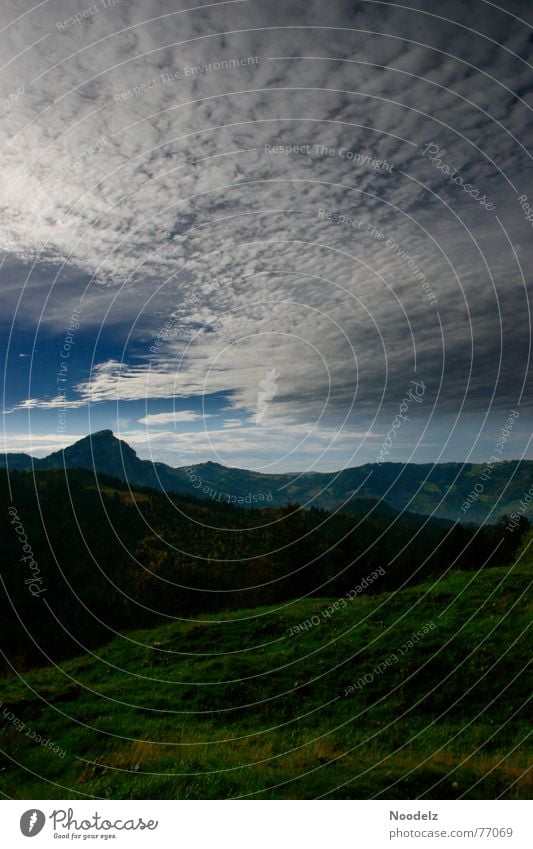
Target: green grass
(233, 705)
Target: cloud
(171, 418)
(263, 449)
(51, 404)
(207, 219)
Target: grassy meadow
(248, 704)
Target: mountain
(103, 453)
(439, 490)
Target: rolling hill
(249, 704)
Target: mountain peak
(101, 434)
(105, 436)
(100, 450)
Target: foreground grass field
(249, 705)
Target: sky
(271, 235)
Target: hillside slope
(299, 702)
(112, 558)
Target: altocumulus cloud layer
(296, 209)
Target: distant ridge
(439, 489)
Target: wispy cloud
(171, 418)
(50, 404)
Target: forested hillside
(85, 557)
